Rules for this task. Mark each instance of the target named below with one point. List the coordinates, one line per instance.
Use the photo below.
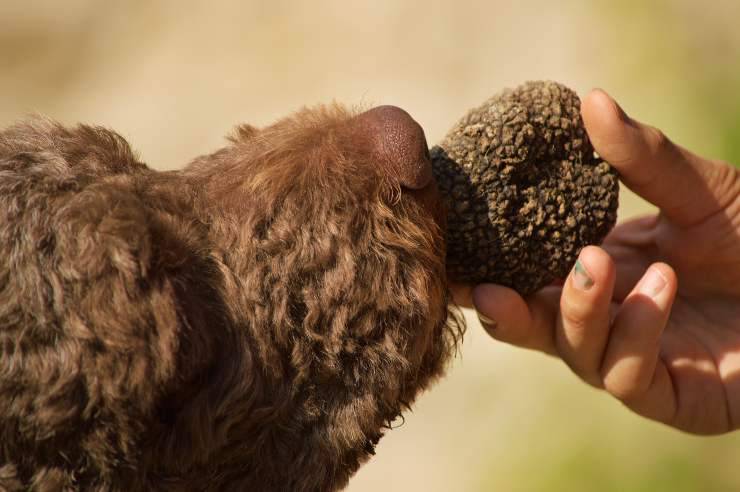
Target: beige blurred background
(174, 77)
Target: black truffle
(523, 188)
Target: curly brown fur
(253, 322)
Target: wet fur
(252, 322)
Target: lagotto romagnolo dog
(253, 322)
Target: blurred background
(174, 77)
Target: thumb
(686, 188)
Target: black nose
(398, 144)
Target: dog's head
(333, 235)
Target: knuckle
(726, 166)
(575, 313)
(625, 389)
(658, 140)
(573, 321)
(724, 179)
(587, 374)
(593, 380)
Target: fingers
(629, 365)
(537, 321)
(686, 187)
(509, 318)
(574, 323)
(582, 327)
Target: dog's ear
(242, 133)
(105, 305)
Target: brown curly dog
(253, 322)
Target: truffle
(523, 187)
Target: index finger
(510, 318)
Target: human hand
(653, 316)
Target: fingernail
(581, 278)
(487, 322)
(653, 282)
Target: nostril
(398, 143)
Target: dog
(254, 321)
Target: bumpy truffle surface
(523, 187)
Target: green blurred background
(174, 77)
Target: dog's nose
(398, 144)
